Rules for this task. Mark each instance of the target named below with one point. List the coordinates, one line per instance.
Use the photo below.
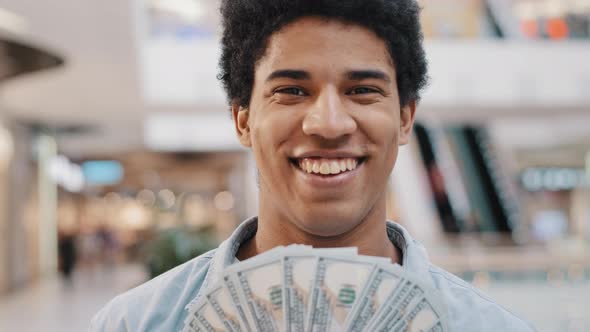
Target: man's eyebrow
(293, 74)
(359, 75)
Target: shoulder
(157, 304)
(470, 309)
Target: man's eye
(362, 90)
(292, 91)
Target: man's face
(324, 124)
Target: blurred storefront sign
(102, 172)
(178, 51)
(553, 19)
(553, 179)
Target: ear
(407, 122)
(240, 116)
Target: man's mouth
(327, 166)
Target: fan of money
(299, 288)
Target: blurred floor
(52, 305)
(550, 307)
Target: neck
(276, 229)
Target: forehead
(318, 43)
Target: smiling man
(323, 92)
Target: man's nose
(328, 116)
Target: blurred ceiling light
(224, 201)
(191, 10)
(146, 197)
(167, 198)
(6, 148)
(74, 182)
(134, 216)
(66, 174)
(195, 210)
(12, 22)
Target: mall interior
(119, 161)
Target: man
(323, 92)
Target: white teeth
(334, 167)
(343, 166)
(316, 167)
(327, 166)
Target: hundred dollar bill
(206, 318)
(336, 286)
(234, 286)
(222, 304)
(260, 286)
(401, 309)
(191, 325)
(382, 283)
(422, 318)
(298, 274)
(391, 304)
(438, 327)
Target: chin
(329, 224)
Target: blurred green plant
(172, 247)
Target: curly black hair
(248, 24)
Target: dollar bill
(298, 277)
(260, 283)
(391, 304)
(401, 309)
(206, 318)
(191, 325)
(336, 286)
(298, 288)
(222, 303)
(421, 318)
(263, 286)
(299, 272)
(233, 289)
(234, 286)
(382, 283)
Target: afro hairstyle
(248, 25)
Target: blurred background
(118, 159)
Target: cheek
(269, 135)
(383, 131)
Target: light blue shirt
(159, 304)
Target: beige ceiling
(98, 86)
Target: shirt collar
(414, 257)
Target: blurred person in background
(67, 253)
(323, 92)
